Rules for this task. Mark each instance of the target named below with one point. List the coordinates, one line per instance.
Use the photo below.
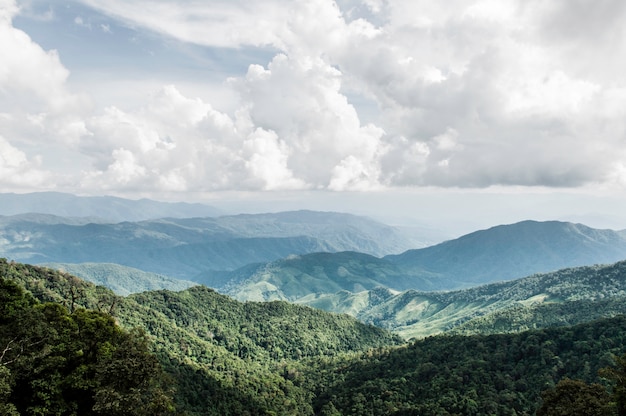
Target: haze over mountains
(499, 253)
(191, 248)
(336, 262)
(104, 208)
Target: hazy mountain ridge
(191, 248)
(497, 254)
(512, 251)
(121, 279)
(107, 208)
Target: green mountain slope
(533, 302)
(229, 357)
(299, 276)
(460, 375)
(497, 254)
(512, 251)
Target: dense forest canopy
(84, 350)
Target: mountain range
(192, 248)
(497, 254)
(345, 264)
(99, 208)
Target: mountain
(481, 375)
(511, 251)
(191, 248)
(342, 232)
(106, 208)
(565, 297)
(500, 253)
(120, 279)
(300, 276)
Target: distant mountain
(340, 231)
(106, 208)
(192, 248)
(298, 276)
(511, 251)
(501, 253)
(121, 279)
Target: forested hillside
(564, 297)
(469, 375)
(226, 357)
(55, 361)
(121, 279)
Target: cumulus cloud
(528, 105)
(465, 94)
(16, 171)
(36, 108)
(288, 134)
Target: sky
(456, 115)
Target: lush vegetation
(226, 357)
(466, 375)
(57, 362)
(564, 297)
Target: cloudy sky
(467, 113)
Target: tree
(617, 374)
(54, 362)
(575, 398)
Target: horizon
(459, 116)
(445, 226)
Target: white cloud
(465, 94)
(267, 160)
(220, 23)
(16, 171)
(301, 100)
(37, 111)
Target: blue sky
(460, 114)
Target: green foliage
(564, 297)
(238, 354)
(468, 375)
(617, 374)
(226, 357)
(575, 398)
(54, 362)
